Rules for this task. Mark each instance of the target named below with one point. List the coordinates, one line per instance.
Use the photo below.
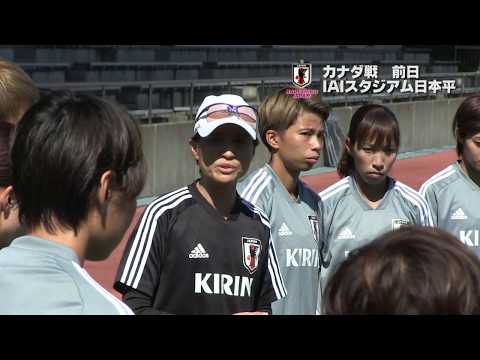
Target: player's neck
(471, 173)
(372, 193)
(288, 177)
(221, 196)
(77, 241)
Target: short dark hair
(370, 120)
(62, 146)
(414, 270)
(466, 122)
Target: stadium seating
(178, 72)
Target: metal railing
(467, 82)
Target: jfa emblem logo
(398, 223)
(251, 248)
(315, 229)
(302, 75)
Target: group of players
(267, 244)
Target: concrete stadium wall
(169, 159)
(423, 125)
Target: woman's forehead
(377, 138)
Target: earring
(11, 203)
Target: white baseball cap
(204, 127)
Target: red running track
(412, 171)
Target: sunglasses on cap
(222, 111)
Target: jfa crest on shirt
(314, 224)
(398, 223)
(251, 251)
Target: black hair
(63, 145)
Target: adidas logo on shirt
(198, 253)
(459, 215)
(284, 230)
(346, 233)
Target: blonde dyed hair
(280, 110)
(17, 91)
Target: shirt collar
(47, 246)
